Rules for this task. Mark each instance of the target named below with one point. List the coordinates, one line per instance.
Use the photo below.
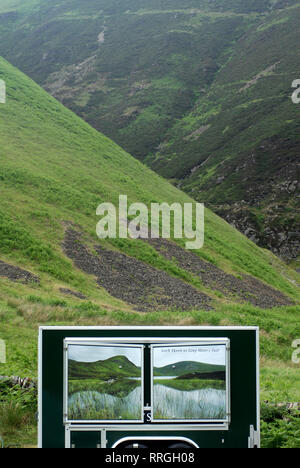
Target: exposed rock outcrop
(133, 281)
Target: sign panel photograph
(189, 382)
(103, 382)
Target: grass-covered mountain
(55, 169)
(239, 147)
(112, 368)
(200, 90)
(187, 367)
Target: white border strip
(258, 386)
(149, 328)
(40, 388)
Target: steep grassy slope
(54, 171)
(129, 68)
(116, 367)
(199, 90)
(239, 148)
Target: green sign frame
(239, 429)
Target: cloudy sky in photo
(207, 354)
(96, 353)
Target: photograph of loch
(105, 383)
(189, 383)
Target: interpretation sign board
(114, 387)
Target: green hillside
(239, 147)
(116, 367)
(187, 367)
(133, 90)
(54, 171)
(199, 90)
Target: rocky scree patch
(15, 274)
(248, 288)
(133, 281)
